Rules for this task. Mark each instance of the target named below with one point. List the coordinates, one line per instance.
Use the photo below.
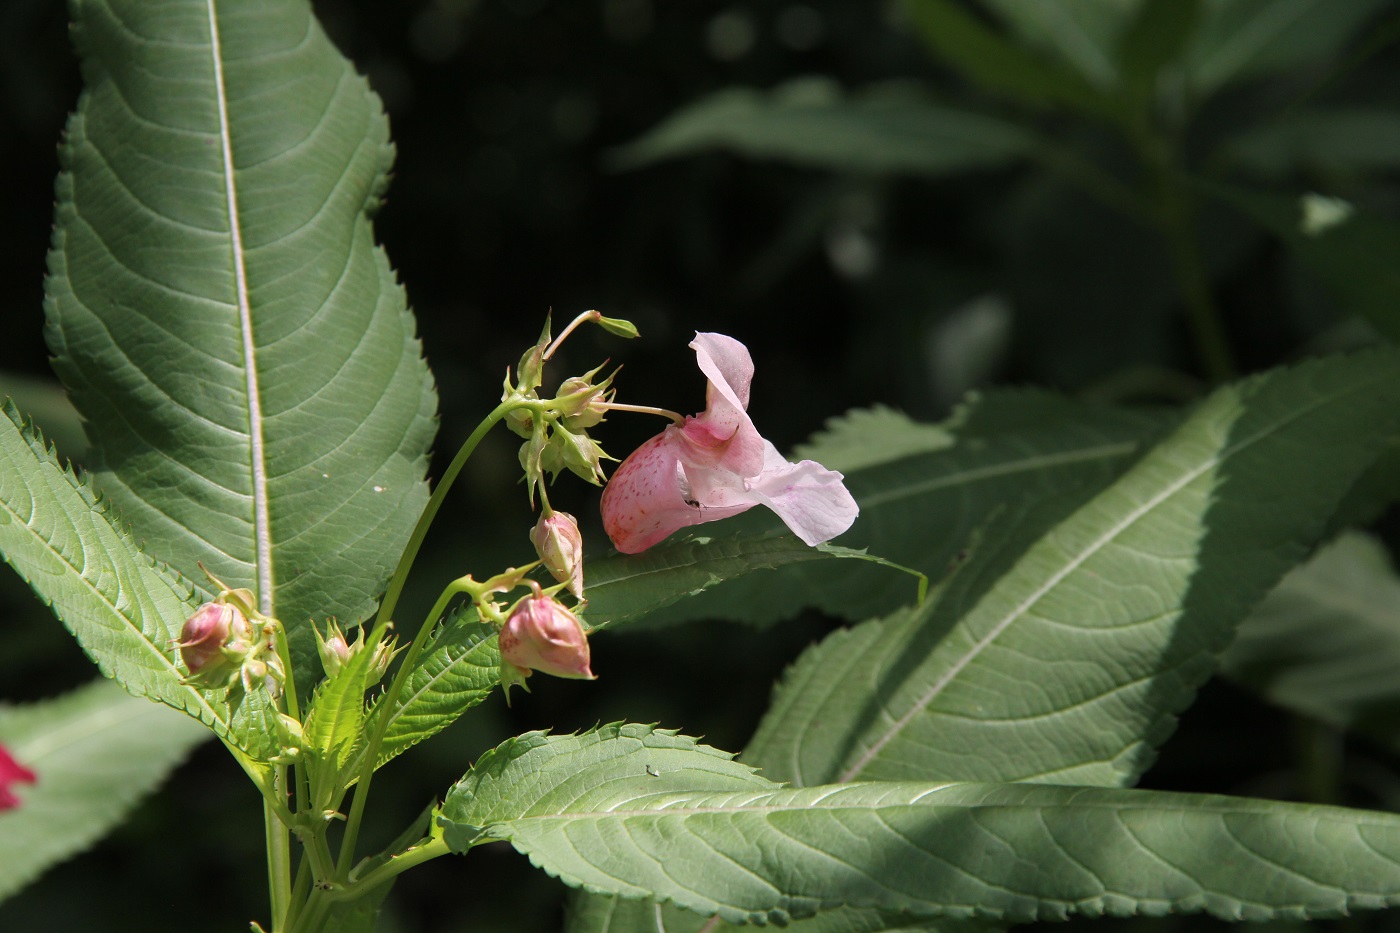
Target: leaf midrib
(1087, 552)
(256, 450)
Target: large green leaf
(811, 122)
(96, 752)
(632, 812)
(218, 308)
(1326, 641)
(923, 490)
(1065, 657)
(125, 610)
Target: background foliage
(851, 287)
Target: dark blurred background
(849, 288)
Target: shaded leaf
(1064, 656)
(626, 588)
(96, 752)
(812, 122)
(1326, 641)
(217, 306)
(1086, 34)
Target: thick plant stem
(279, 866)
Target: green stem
(414, 855)
(279, 866)
(420, 530)
(390, 698)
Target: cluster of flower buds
(556, 429)
(336, 651)
(12, 772)
(227, 642)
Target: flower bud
(12, 772)
(560, 545)
(542, 635)
(581, 402)
(216, 635)
(333, 648)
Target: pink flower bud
(560, 545)
(11, 772)
(542, 635)
(213, 628)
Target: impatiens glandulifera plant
(260, 414)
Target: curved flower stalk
(716, 464)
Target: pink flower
(542, 635)
(559, 544)
(717, 465)
(11, 772)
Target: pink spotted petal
(724, 437)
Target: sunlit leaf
(217, 306)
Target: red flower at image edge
(11, 772)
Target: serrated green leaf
(96, 752)
(625, 588)
(1240, 39)
(123, 609)
(812, 122)
(597, 818)
(1065, 656)
(597, 913)
(217, 306)
(1326, 641)
(922, 491)
(335, 721)
(457, 670)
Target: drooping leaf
(217, 306)
(1326, 641)
(923, 490)
(96, 752)
(812, 122)
(611, 812)
(124, 609)
(1355, 256)
(625, 588)
(1064, 656)
(1239, 39)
